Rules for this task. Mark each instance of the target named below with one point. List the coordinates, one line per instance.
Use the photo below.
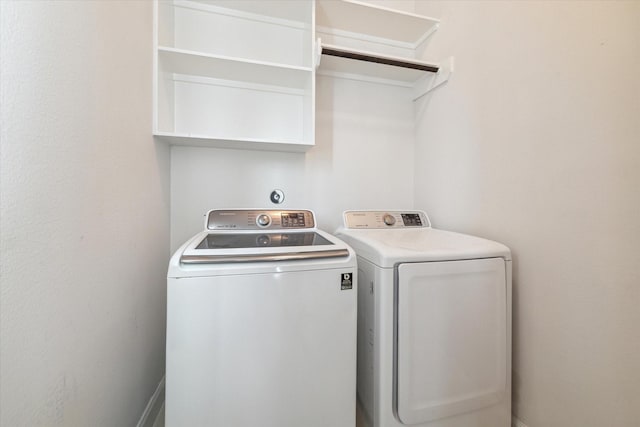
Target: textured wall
(84, 215)
(535, 142)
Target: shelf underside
(294, 11)
(242, 144)
(374, 21)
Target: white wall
(363, 159)
(84, 215)
(535, 142)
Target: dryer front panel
(450, 338)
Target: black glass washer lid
(261, 240)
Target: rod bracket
(430, 82)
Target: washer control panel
(256, 219)
(386, 219)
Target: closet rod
(379, 60)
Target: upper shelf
(367, 42)
(278, 9)
(216, 66)
(375, 21)
(236, 29)
(235, 74)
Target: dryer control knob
(263, 220)
(389, 219)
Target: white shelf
(374, 21)
(285, 10)
(241, 74)
(226, 28)
(368, 42)
(233, 110)
(201, 64)
(235, 74)
(243, 144)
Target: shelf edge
(204, 55)
(228, 143)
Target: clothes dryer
(434, 323)
(261, 324)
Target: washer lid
(261, 240)
(387, 247)
(217, 248)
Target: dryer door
(451, 338)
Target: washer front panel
(268, 350)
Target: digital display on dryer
(411, 220)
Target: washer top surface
(241, 241)
(387, 238)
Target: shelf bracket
(430, 82)
(318, 52)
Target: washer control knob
(389, 219)
(263, 220)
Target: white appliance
(261, 324)
(434, 323)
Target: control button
(293, 220)
(389, 219)
(263, 220)
(263, 240)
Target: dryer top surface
(388, 247)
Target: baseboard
(517, 423)
(153, 407)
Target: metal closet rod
(378, 60)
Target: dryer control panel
(257, 219)
(386, 219)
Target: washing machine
(261, 324)
(434, 323)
